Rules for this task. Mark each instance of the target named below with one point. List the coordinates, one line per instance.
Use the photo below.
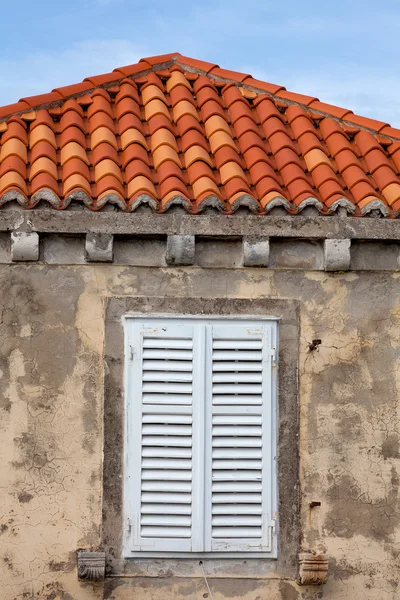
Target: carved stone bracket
(313, 568)
(91, 565)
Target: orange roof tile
(172, 129)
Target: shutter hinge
(273, 355)
(272, 526)
(128, 525)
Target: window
(200, 472)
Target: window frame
(287, 311)
(130, 326)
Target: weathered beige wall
(51, 370)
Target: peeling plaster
(51, 408)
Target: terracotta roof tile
(171, 129)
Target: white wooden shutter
(164, 462)
(241, 440)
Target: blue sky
(343, 52)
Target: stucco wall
(52, 321)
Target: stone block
(337, 255)
(24, 246)
(180, 250)
(91, 565)
(99, 247)
(313, 568)
(255, 252)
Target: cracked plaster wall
(51, 378)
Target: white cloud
(40, 73)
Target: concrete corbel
(99, 247)
(255, 252)
(180, 250)
(24, 246)
(337, 255)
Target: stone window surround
(287, 311)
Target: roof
(174, 130)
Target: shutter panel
(167, 398)
(241, 441)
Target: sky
(343, 52)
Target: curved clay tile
(205, 186)
(141, 184)
(133, 152)
(177, 78)
(13, 163)
(262, 170)
(137, 167)
(12, 179)
(76, 166)
(72, 150)
(199, 169)
(158, 121)
(164, 153)
(103, 151)
(16, 128)
(226, 154)
(45, 181)
(244, 125)
(196, 153)
(13, 146)
(316, 157)
(72, 118)
(100, 103)
(42, 132)
(229, 171)
(151, 92)
(109, 184)
(184, 107)
(392, 195)
(107, 167)
(127, 105)
(384, 176)
(210, 108)
(219, 139)
(44, 149)
(161, 137)
(154, 108)
(308, 142)
(73, 134)
(169, 169)
(133, 136)
(216, 123)
(43, 165)
(187, 124)
(266, 185)
(376, 158)
(100, 119)
(180, 93)
(71, 105)
(127, 88)
(103, 134)
(172, 184)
